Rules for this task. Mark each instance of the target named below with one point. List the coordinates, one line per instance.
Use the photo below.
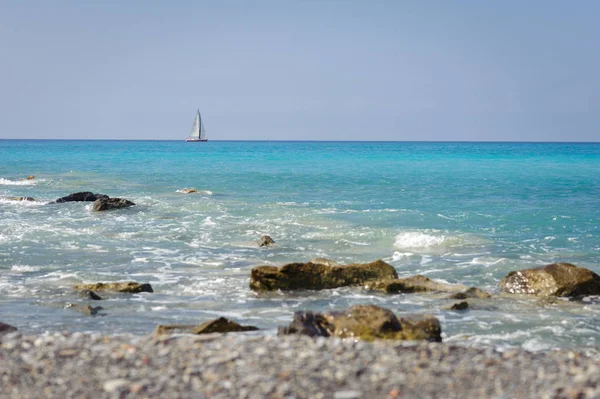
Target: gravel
(257, 366)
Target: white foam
(418, 239)
(205, 192)
(8, 182)
(208, 222)
(401, 255)
(24, 268)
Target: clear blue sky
(310, 70)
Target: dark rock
(31, 177)
(413, 284)
(81, 196)
(6, 328)
(104, 204)
(89, 294)
(308, 323)
(220, 325)
(464, 305)
(265, 241)
(314, 276)
(128, 287)
(557, 279)
(366, 322)
(472, 292)
(20, 199)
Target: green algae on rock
(412, 284)
(127, 287)
(556, 279)
(318, 276)
(105, 204)
(365, 322)
(220, 325)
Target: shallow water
(462, 212)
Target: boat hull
(194, 140)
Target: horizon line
(321, 141)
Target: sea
(457, 212)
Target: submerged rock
(472, 292)
(366, 322)
(86, 309)
(265, 241)
(127, 287)
(412, 284)
(104, 204)
(20, 198)
(188, 190)
(81, 196)
(89, 294)
(464, 305)
(220, 325)
(557, 279)
(6, 328)
(315, 276)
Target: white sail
(198, 133)
(202, 134)
(195, 133)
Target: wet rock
(315, 276)
(220, 325)
(6, 328)
(104, 204)
(80, 197)
(265, 241)
(308, 323)
(472, 292)
(20, 198)
(31, 177)
(464, 305)
(366, 322)
(413, 284)
(126, 287)
(89, 294)
(188, 190)
(557, 279)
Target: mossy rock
(127, 287)
(557, 279)
(105, 204)
(413, 284)
(365, 322)
(318, 276)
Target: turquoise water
(461, 212)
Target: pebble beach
(256, 366)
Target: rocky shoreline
(248, 365)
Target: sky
(463, 70)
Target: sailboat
(198, 133)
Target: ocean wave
(420, 239)
(23, 182)
(205, 192)
(24, 268)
